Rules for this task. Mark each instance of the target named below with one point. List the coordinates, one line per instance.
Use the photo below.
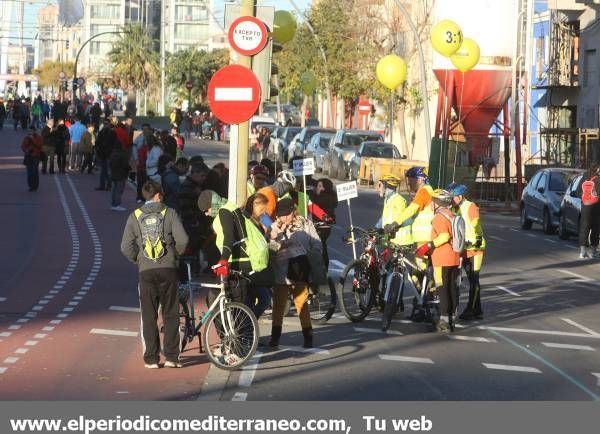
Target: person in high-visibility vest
(417, 184)
(393, 205)
(474, 248)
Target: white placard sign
(304, 167)
(347, 190)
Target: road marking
(406, 359)
(68, 309)
(550, 241)
(31, 314)
(37, 308)
(568, 346)
(470, 338)
(514, 230)
(113, 332)
(5, 334)
(62, 315)
(125, 309)
(532, 235)
(122, 392)
(49, 297)
(77, 297)
(512, 368)
(52, 291)
(571, 247)
(2, 370)
(248, 371)
(11, 360)
(55, 321)
(58, 287)
(317, 351)
(579, 276)
(2, 299)
(48, 329)
(73, 303)
(503, 288)
(43, 302)
(40, 336)
(31, 343)
(23, 320)
(496, 238)
(597, 375)
(82, 292)
(14, 327)
(539, 332)
(21, 350)
(239, 396)
(579, 326)
(374, 330)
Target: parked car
(280, 140)
(343, 147)
(570, 209)
(372, 150)
(289, 114)
(297, 147)
(318, 148)
(262, 121)
(542, 197)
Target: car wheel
(547, 223)
(525, 222)
(563, 234)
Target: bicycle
(360, 280)
(321, 303)
(231, 332)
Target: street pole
(241, 173)
(162, 58)
(423, 74)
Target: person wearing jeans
(32, 148)
(119, 171)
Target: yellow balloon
(391, 71)
(467, 55)
(284, 26)
(446, 37)
(308, 82)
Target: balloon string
(460, 104)
(443, 127)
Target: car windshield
(558, 181)
(354, 140)
(324, 141)
(380, 151)
(291, 132)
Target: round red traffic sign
(248, 35)
(189, 85)
(364, 107)
(234, 94)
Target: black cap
(285, 207)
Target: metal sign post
(347, 191)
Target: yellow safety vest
(471, 228)
(255, 247)
(392, 207)
(250, 188)
(421, 227)
(301, 199)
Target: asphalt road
(69, 318)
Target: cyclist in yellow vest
(417, 184)
(474, 248)
(393, 205)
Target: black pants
(33, 174)
(448, 291)
(61, 160)
(589, 225)
(474, 303)
(159, 287)
(87, 162)
(323, 235)
(140, 179)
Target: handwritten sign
(304, 167)
(347, 190)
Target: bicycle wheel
(186, 328)
(391, 300)
(321, 302)
(357, 294)
(230, 338)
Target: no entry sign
(248, 35)
(364, 107)
(234, 94)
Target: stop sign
(234, 94)
(189, 85)
(364, 107)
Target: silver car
(318, 147)
(343, 148)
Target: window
(354, 140)
(534, 180)
(191, 31)
(105, 11)
(380, 151)
(191, 13)
(100, 48)
(558, 181)
(99, 28)
(543, 180)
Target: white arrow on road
(233, 94)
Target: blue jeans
(258, 299)
(117, 191)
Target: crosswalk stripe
(568, 346)
(470, 338)
(406, 359)
(512, 368)
(113, 332)
(124, 309)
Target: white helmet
(287, 176)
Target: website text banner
(296, 417)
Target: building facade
(187, 23)
(56, 41)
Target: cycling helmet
(442, 197)
(456, 189)
(288, 177)
(416, 172)
(390, 180)
(259, 169)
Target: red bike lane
(84, 342)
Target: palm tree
(135, 63)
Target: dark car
(542, 197)
(570, 209)
(318, 148)
(281, 139)
(343, 148)
(372, 150)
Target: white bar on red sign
(364, 107)
(233, 94)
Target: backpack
(152, 228)
(589, 196)
(458, 232)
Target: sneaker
(583, 256)
(442, 327)
(118, 208)
(151, 366)
(170, 364)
